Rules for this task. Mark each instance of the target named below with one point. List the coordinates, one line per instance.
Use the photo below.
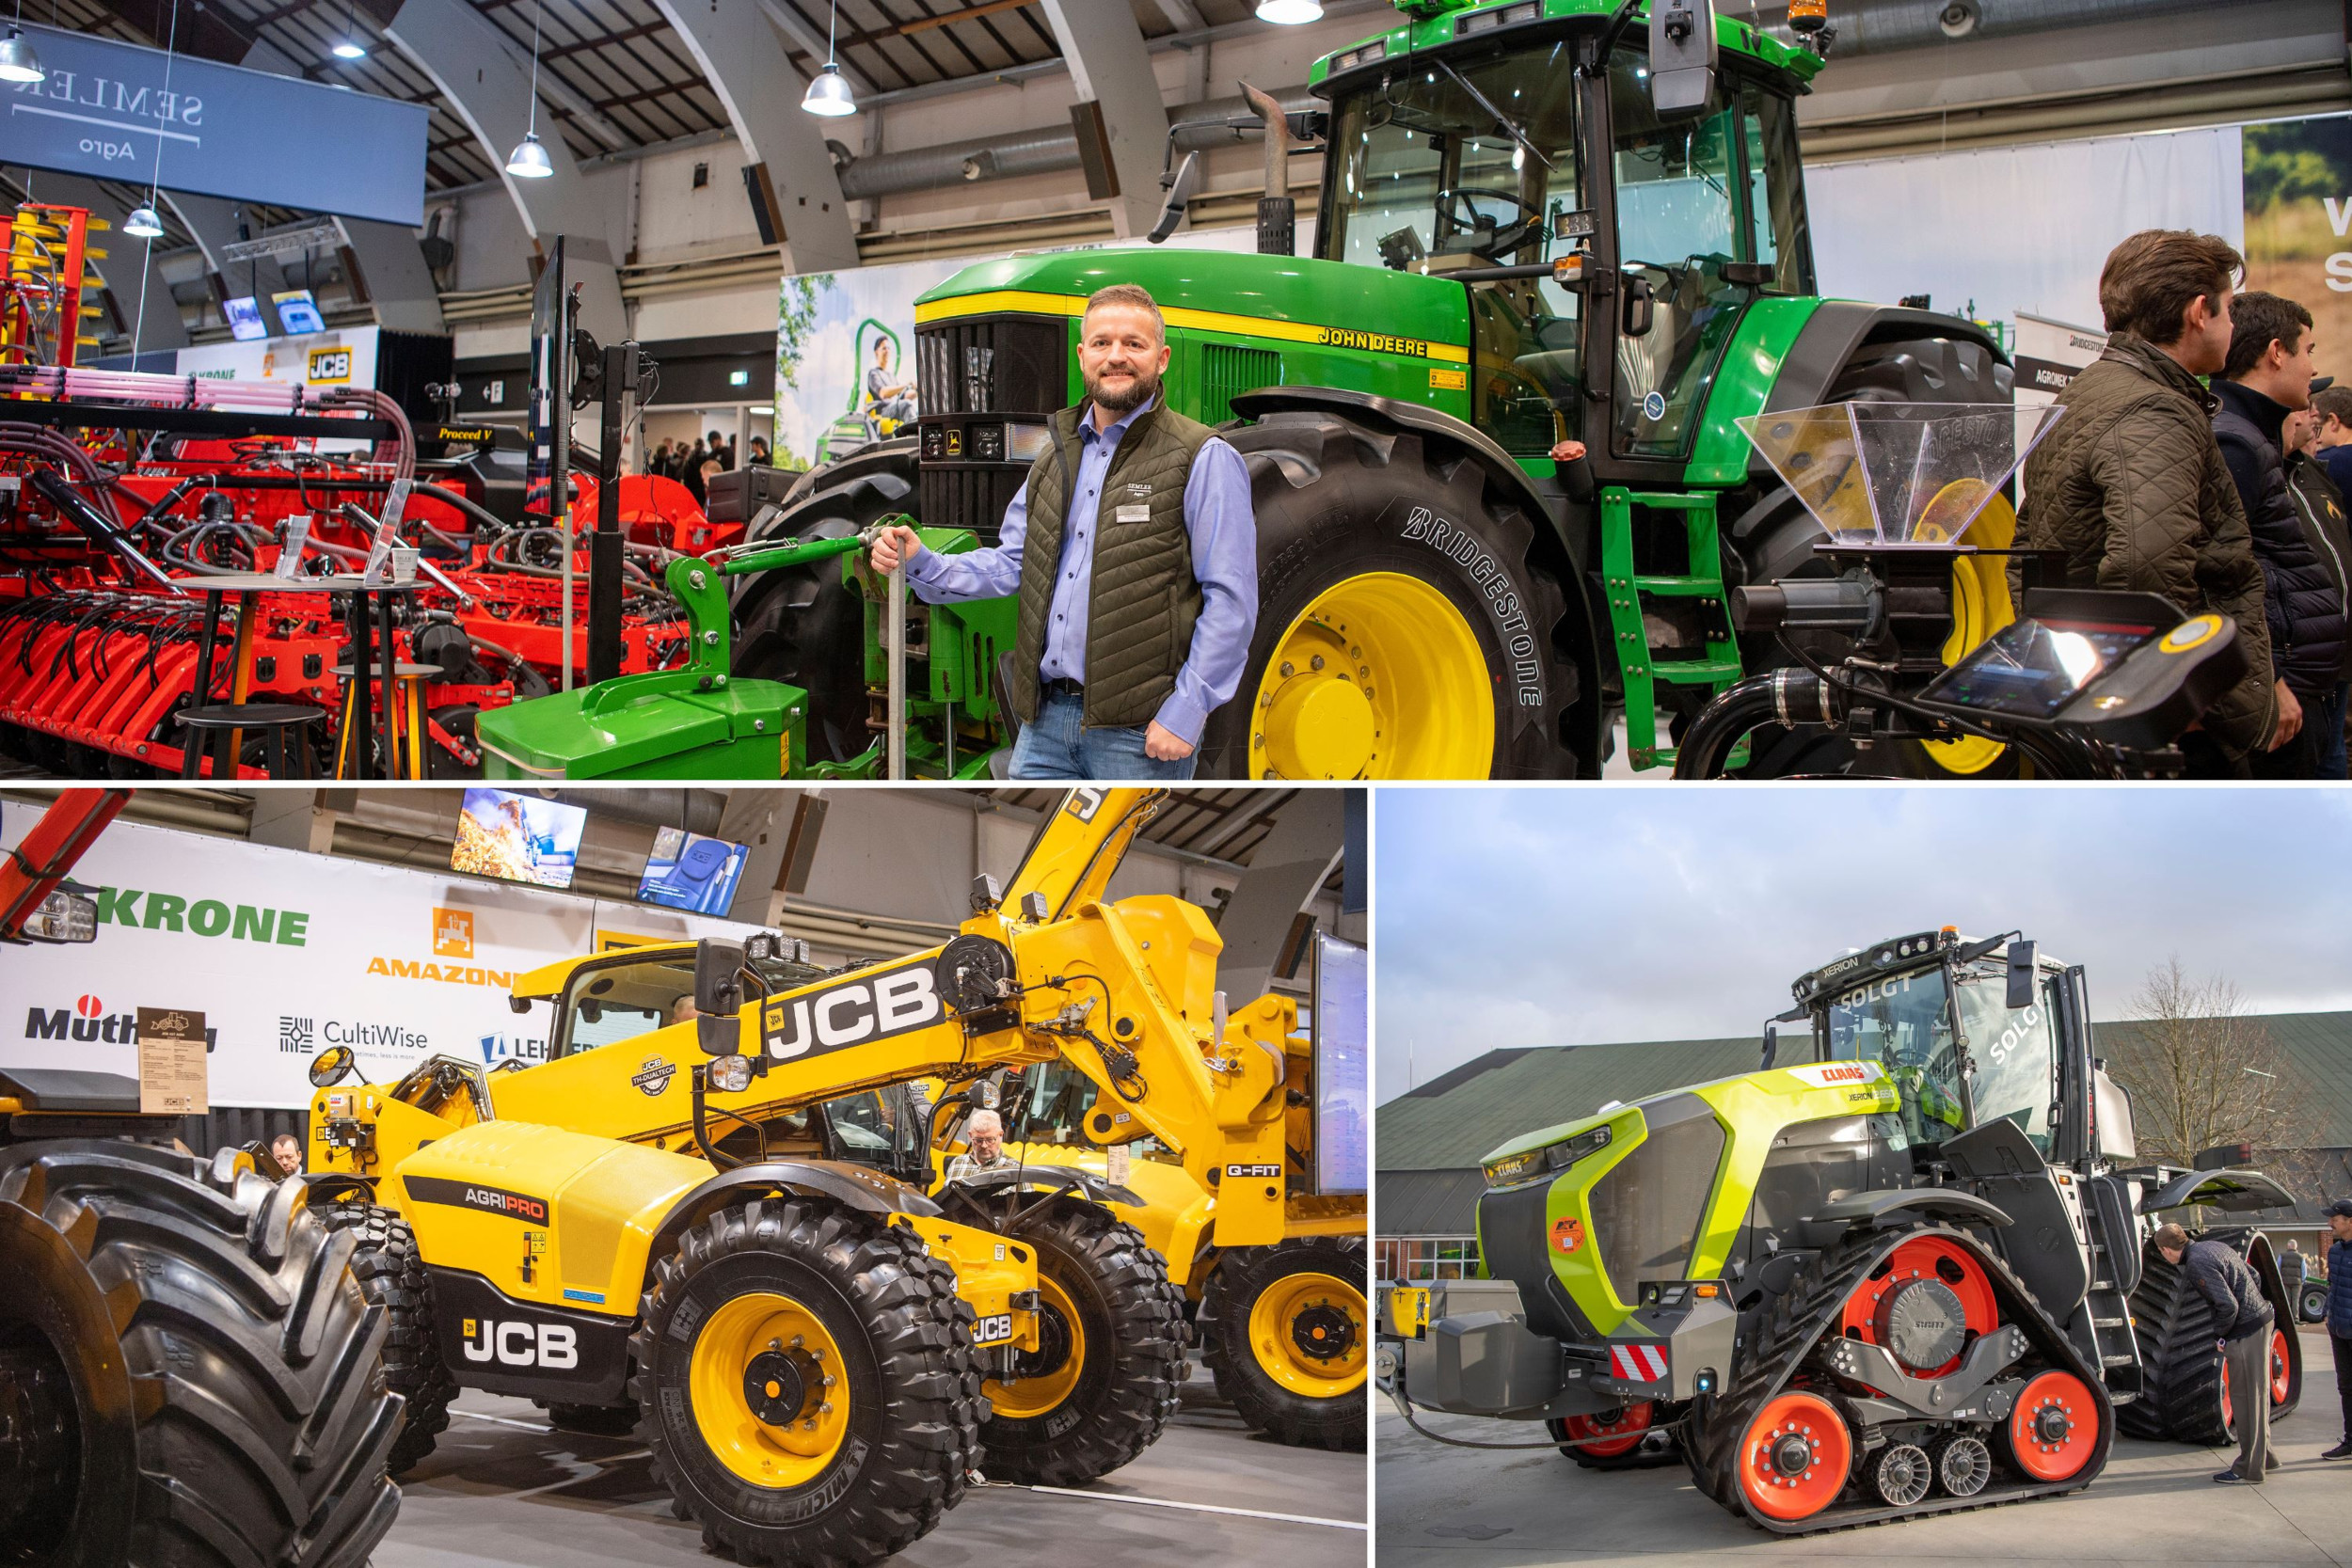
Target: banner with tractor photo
(845, 349)
(2298, 225)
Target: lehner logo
(874, 1007)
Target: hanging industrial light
(828, 91)
(1290, 13)
(143, 223)
(347, 46)
(529, 160)
(18, 63)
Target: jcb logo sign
(988, 1330)
(552, 1347)
(329, 364)
(873, 1007)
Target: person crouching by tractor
(2340, 1314)
(1137, 604)
(2241, 1323)
(984, 1141)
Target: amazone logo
(442, 974)
(206, 917)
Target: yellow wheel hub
(1061, 1356)
(1308, 1333)
(771, 1398)
(1980, 598)
(1379, 677)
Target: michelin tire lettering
(1493, 580)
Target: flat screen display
(297, 312)
(245, 318)
(2031, 669)
(691, 872)
(517, 838)
(1341, 1028)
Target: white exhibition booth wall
(286, 953)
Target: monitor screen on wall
(688, 871)
(517, 838)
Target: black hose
(1787, 696)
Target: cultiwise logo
(203, 917)
(88, 1021)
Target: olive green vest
(1145, 598)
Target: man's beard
(1140, 391)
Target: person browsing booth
(1137, 602)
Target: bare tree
(2203, 1072)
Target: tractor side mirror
(1681, 57)
(1182, 187)
(1772, 1042)
(717, 998)
(2024, 979)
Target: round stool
(287, 756)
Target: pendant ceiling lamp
(828, 91)
(1290, 13)
(529, 160)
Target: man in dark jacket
(2340, 1315)
(2327, 518)
(2131, 487)
(2241, 1329)
(2267, 378)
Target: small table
(373, 748)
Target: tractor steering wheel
(1454, 206)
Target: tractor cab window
(1045, 1104)
(1776, 220)
(889, 1127)
(2012, 1056)
(1425, 177)
(621, 1001)
(1905, 1025)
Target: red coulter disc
(1632, 1422)
(2054, 1427)
(2282, 1384)
(1923, 1258)
(1794, 1457)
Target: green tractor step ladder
(1718, 666)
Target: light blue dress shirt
(1224, 535)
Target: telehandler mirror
(1182, 187)
(332, 1066)
(1772, 1042)
(2024, 979)
(1681, 57)
(718, 997)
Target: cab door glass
(619, 1001)
(1775, 179)
(2012, 1056)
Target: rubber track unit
(1297, 1419)
(1800, 1319)
(391, 1275)
(2173, 1325)
(226, 1370)
(1135, 1339)
(924, 1434)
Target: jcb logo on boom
(555, 1347)
(873, 1007)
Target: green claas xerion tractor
(1514, 244)
(1901, 1269)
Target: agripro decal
(486, 1200)
(875, 1006)
(1421, 525)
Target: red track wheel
(1794, 1457)
(2053, 1429)
(1929, 1292)
(2281, 1381)
(1620, 1431)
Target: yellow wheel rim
(1059, 1327)
(1981, 599)
(1379, 677)
(769, 1400)
(1307, 1331)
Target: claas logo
(1843, 1075)
(1567, 1234)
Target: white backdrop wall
(2017, 227)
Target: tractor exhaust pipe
(1277, 214)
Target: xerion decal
(1422, 526)
(487, 1200)
(875, 1005)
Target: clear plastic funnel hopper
(1897, 473)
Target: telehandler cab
(1901, 1269)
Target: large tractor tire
(1101, 1384)
(188, 1376)
(2187, 1398)
(803, 625)
(1292, 1338)
(805, 1377)
(390, 1273)
(1774, 538)
(1407, 628)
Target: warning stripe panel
(1637, 1363)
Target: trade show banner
(284, 954)
(2049, 353)
(845, 349)
(2298, 225)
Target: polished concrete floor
(2155, 1506)
(504, 1490)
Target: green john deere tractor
(1902, 1268)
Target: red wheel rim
(1794, 1456)
(1925, 1258)
(2281, 1384)
(2229, 1416)
(2056, 1448)
(1632, 1422)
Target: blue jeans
(2328, 736)
(1058, 747)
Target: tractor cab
(1609, 249)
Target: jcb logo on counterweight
(553, 1347)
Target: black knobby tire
(2173, 1324)
(906, 1347)
(390, 1273)
(226, 1394)
(1242, 1278)
(1337, 500)
(802, 624)
(1131, 1320)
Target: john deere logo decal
(655, 1077)
(1567, 1234)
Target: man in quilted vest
(1133, 550)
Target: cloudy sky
(1568, 916)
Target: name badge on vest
(1135, 514)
